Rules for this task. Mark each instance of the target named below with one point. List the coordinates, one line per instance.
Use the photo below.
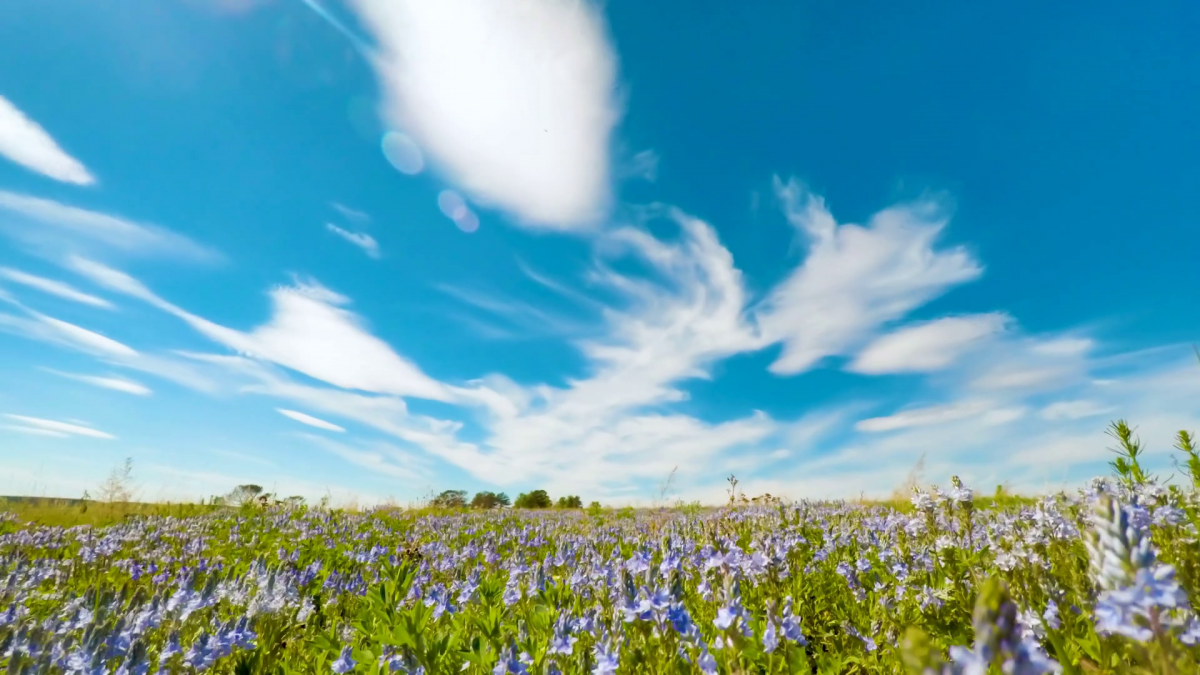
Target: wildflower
(707, 662)
(607, 658)
(510, 663)
(344, 662)
(999, 639)
(1135, 588)
(769, 639)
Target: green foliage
(1129, 452)
(450, 499)
(490, 500)
(1186, 445)
(536, 499)
(570, 502)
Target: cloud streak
(53, 228)
(309, 332)
(310, 420)
(57, 288)
(114, 383)
(362, 240)
(25, 142)
(929, 346)
(63, 429)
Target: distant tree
(537, 499)
(243, 495)
(570, 502)
(489, 500)
(450, 499)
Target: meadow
(1095, 581)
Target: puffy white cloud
(53, 228)
(360, 239)
(56, 427)
(310, 420)
(513, 100)
(25, 142)
(53, 287)
(929, 346)
(854, 279)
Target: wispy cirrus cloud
(362, 240)
(310, 332)
(53, 287)
(55, 428)
(353, 215)
(44, 328)
(53, 229)
(615, 429)
(106, 382)
(25, 142)
(927, 346)
(311, 421)
(855, 279)
(539, 147)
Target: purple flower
(607, 658)
(769, 639)
(344, 663)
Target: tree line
(534, 499)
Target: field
(1093, 582)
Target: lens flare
(402, 153)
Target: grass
(53, 512)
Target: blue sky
(370, 249)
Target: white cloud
(54, 228)
(1003, 415)
(643, 166)
(25, 142)
(59, 427)
(43, 328)
(111, 382)
(514, 101)
(34, 431)
(309, 332)
(855, 279)
(919, 417)
(1066, 346)
(310, 420)
(360, 239)
(58, 288)
(243, 457)
(1004, 377)
(353, 215)
(378, 458)
(929, 346)
(1073, 410)
(532, 319)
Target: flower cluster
(949, 585)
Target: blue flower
(344, 663)
(707, 662)
(769, 639)
(607, 659)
